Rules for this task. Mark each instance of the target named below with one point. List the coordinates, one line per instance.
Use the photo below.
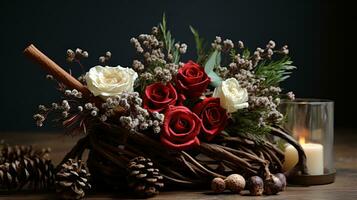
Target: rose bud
(158, 96)
(180, 128)
(192, 80)
(232, 96)
(213, 116)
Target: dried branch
(301, 165)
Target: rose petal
(192, 79)
(180, 146)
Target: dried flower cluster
(127, 105)
(224, 46)
(133, 117)
(158, 56)
(65, 107)
(76, 55)
(105, 58)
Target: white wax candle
(314, 158)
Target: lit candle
(314, 157)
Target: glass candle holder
(311, 123)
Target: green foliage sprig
(274, 72)
(201, 53)
(246, 124)
(169, 41)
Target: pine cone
(21, 167)
(72, 180)
(143, 177)
(12, 153)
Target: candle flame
(302, 140)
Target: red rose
(180, 128)
(158, 97)
(192, 80)
(213, 116)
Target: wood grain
(345, 186)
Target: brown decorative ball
(255, 185)
(272, 185)
(282, 179)
(218, 185)
(235, 183)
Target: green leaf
(198, 40)
(176, 56)
(200, 46)
(213, 61)
(163, 23)
(168, 41)
(215, 79)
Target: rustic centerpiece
(163, 123)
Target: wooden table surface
(345, 186)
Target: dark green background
(319, 33)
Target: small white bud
(79, 51)
(108, 54)
(85, 54)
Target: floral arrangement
(166, 121)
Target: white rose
(110, 81)
(232, 95)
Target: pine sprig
(169, 41)
(274, 72)
(232, 54)
(246, 123)
(246, 53)
(201, 54)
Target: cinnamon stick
(55, 70)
